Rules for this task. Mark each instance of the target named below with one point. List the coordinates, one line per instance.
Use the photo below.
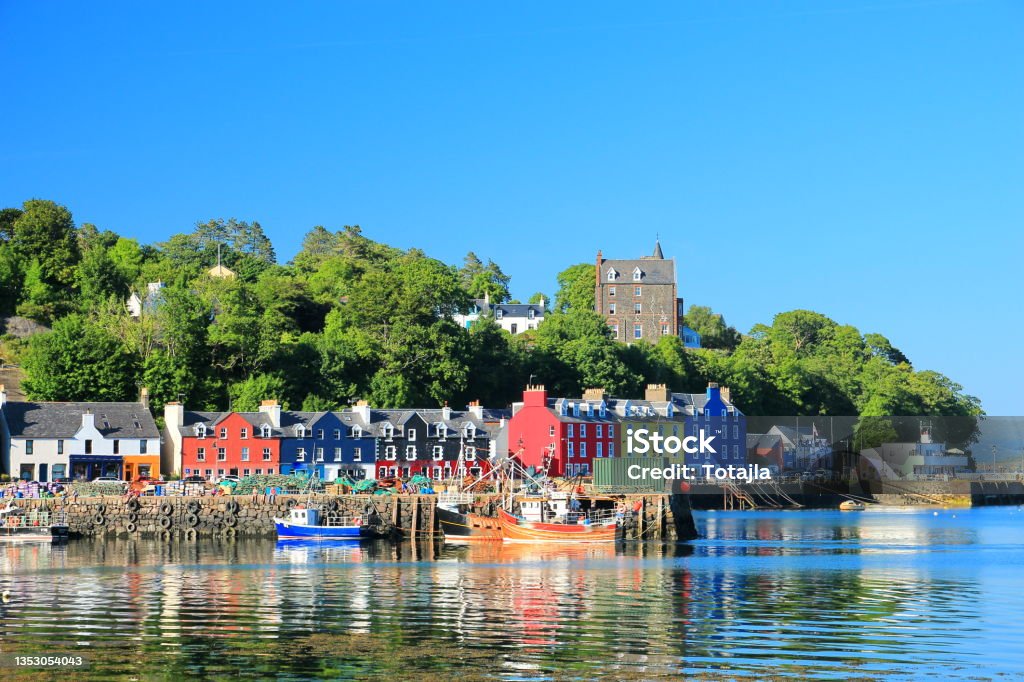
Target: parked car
(193, 479)
(229, 478)
(107, 479)
(63, 481)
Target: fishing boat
(17, 525)
(851, 505)
(307, 523)
(460, 525)
(555, 517)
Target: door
(129, 469)
(42, 472)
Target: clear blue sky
(862, 159)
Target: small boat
(306, 523)
(851, 505)
(17, 524)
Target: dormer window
(531, 313)
(498, 313)
(563, 409)
(201, 430)
(357, 432)
(265, 431)
(575, 409)
(389, 431)
(612, 275)
(300, 431)
(470, 431)
(637, 274)
(442, 431)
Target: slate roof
(654, 270)
(63, 420)
(510, 309)
(763, 441)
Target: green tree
(78, 360)
(247, 395)
(714, 332)
(576, 288)
(45, 232)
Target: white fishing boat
(17, 525)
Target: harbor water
(879, 594)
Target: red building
(562, 436)
(215, 444)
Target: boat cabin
(303, 517)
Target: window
(597, 450)
(735, 432)
(389, 431)
(300, 431)
(30, 447)
(357, 432)
(259, 472)
(244, 433)
(638, 308)
(638, 331)
(266, 454)
(117, 447)
(568, 431)
(201, 454)
(220, 472)
(246, 472)
(611, 430)
(223, 432)
(664, 329)
(470, 432)
(438, 452)
(411, 434)
(583, 449)
(735, 451)
(570, 449)
(337, 454)
(584, 469)
(319, 434)
(470, 453)
(319, 454)
(270, 471)
(514, 328)
(437, 472)
(245, 454)
(531, 313)
(637, 275)
(391, 453)
(583, 430)
(265, 431)
(598, 431)
(300, 455)
(336, 434)
(611, 449)
(638, 291)
(615, 331)
(143, 446)
(410, 452)
(611, 308)
(575, 409)
(612, 274)
(499, 313)
(442, 431)
(551, 430)
(357, 454)
(611, 291)
(88, 446)
(222, 455)
(201, 430)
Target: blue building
(326, 443)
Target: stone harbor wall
(410, 516)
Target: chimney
(487, 297)
(362, 410)
(726, 395)
(657, 393)
(88, 420)
(597, 270)
(174, 413)
(272, 409)
(535, 396)
(594, 394)
(476, 409)
(144, 397)
(446, 412)
(713, 392)
(541, 304)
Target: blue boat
(303, 523)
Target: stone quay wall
(662, 517)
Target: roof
(63, 420)
(509, 309)
(654, 270)
(763, 441)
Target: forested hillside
(353, 318)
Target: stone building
(638, 297)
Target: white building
(515, 318)
(48, 441)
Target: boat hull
(286, 530)
(459, 527)
(517, 530)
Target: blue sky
(861, 159)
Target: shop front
(88, 467)
(141, 465)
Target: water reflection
(807, 594)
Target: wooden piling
(415, 515)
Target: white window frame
(438, 453)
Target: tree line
(352, 318)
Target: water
(802, 595)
